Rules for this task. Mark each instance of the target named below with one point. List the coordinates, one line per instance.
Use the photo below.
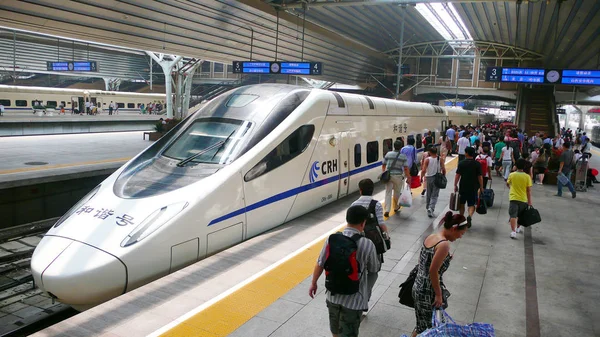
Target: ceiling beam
(303, 4)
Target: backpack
(515, 144)
(372, 230)
(342, 270)
(484, 164)
(429, 140)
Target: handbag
(440, 180)
(529, 216)
(386, 175)
(405, 295)
(414, 169)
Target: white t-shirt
(463, 143)
(507, 153)
(489, 163)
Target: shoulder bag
(405, 295)
(440, 180)
(385, 176)
(414, 170)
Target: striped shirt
(364, 201)
(366, 255)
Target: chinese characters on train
(103, 214)
(400, 128)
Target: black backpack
(515, 144)
(342, 270)
(373, 231)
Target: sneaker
(468, 222)
(519, 230)
(573, 195)
(429, 213)
(513, 235)
(386, 214)
(423, 193)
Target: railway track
(24, 309)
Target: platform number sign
(493, 74)
(316, 68)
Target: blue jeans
(569, 184)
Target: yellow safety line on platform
(228, 314)
(49, 167)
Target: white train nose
(76, 273)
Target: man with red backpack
(347, 259)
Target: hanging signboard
(543, 76)
(72, 66)
(286, 68)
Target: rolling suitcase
(488, 195)
(454, 199)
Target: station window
(372, 152)
(444, 68)
(218, 67)
(424, 66)
(5, 102)
(51, 104)
(387, 146)
(357, 155)
(419, 141)
(121, 105)
(130, 105)
(206, 67)
(21, 102)
(289, 149)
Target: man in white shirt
(463, 143)
(87, 107)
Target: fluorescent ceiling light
(444, 18)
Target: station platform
(26, 124)
(38, 159)
(544, 283)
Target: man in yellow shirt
(519, 196)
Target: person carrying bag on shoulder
(395, 164)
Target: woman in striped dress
(428, 290)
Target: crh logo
(314, 171)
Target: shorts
(540, 170)
(343, 321)
(469, 198)
(498, 162)
(515, 208)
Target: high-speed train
(249, 160)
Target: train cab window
(121, 105)
(5, 102)
(357, 155)
(387, 146)
(372, 152)
(21, 102)
(130, 105)
(419, 141)
(51, 104)
(289, 149)
(209, 141)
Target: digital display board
(543, 76)
(286, 68)
(72, 66)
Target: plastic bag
(451, 329)
(405, 199)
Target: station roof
(353, 38)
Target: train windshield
(209, 141)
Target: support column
(187, 84)
(167, 66)
(399, 78)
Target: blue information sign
(85, 66)
(286, 68)
(543, 76)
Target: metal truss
(283, 4)
(465, 49)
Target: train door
(343, 160)
(443, 129)
(80, 104)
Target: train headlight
(77, 206)
(153, 222)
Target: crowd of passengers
(515, 157)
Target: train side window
(63, 103)
(21, 102)
(121, 105)
(410, 137)
(130, 105)
(387, 146)
(372, 151)
(357, 155)
(51, 104)
(419, 141)
(5, 102)
(287, 150)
